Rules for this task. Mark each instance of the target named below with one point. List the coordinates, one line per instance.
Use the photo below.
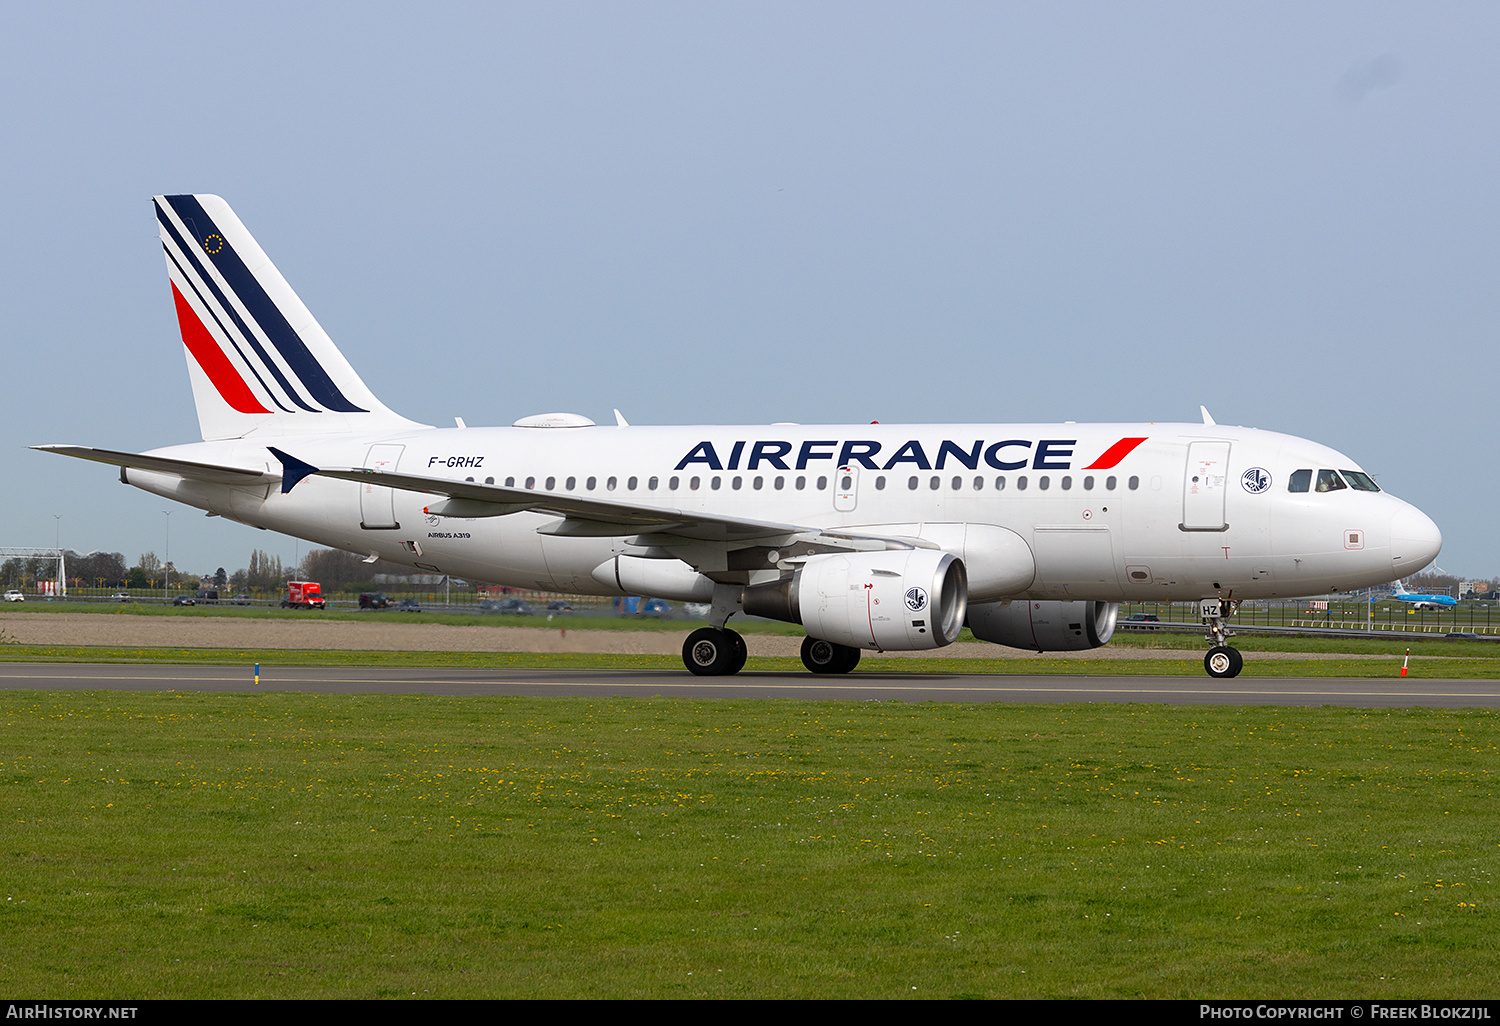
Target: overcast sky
(759, 212)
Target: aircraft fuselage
(1186, 511)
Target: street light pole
(166, 569)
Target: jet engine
(900, 601)
(1045, 626)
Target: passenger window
(672, 484)
(936, 482)
(590, 484)
(757, 482)
(1109, 483)
(1360, 481)
(911, 483)
(1043, 482)
(999, 484)
(531, 482)
(510, 482)
(1021, 483)
(714, 483)
(958, 483)
(551, 484)
(801, 482)
(1088, 483)
(692, 484)
(489, 480)
(609, 485)
(1329, 481)
(1133, 483)
(822, 482)
(780, 482)
(735, 482)
(651, 484)
(571, 484)
(880, 483)
(1300, 481)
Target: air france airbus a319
(881, 537)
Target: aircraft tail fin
(258, 360)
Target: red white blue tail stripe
(258, 358)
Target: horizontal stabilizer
(212, 472)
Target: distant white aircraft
(884, 537)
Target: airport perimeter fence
(1482, 618)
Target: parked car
(559, 606)
(183, 600)
(1141, 622)
(1468, 635)
(241, 599)
(374, 600)
(410, 606)
(120, 596)
(656, 607)
(505, 606)
(14, 596)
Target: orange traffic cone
(1405, 661)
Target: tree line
(335, 569)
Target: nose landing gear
(1221, 660)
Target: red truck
(303, 595)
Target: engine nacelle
(898, 601)
(1044, 626)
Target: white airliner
(883, 537)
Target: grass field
(287, 845)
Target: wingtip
(293, 470)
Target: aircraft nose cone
(1415, 541)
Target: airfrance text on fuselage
(1010, 454)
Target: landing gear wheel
(713, 652)
(738, 651)
(1223, 661)
(821, 656)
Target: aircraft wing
(584, 516)
(214, 473)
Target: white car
(14, 596)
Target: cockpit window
(1299, 481)
(1329, 481)
(1360, 481)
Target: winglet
(293, 470)
(620, 419)
(1207, 417)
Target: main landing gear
(1221, 660)
(719, 652)
(714, 652)
(821, 656)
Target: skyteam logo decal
(1256, 480)
(916, 599)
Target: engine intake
(899, 601)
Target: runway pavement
(1393, 692)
